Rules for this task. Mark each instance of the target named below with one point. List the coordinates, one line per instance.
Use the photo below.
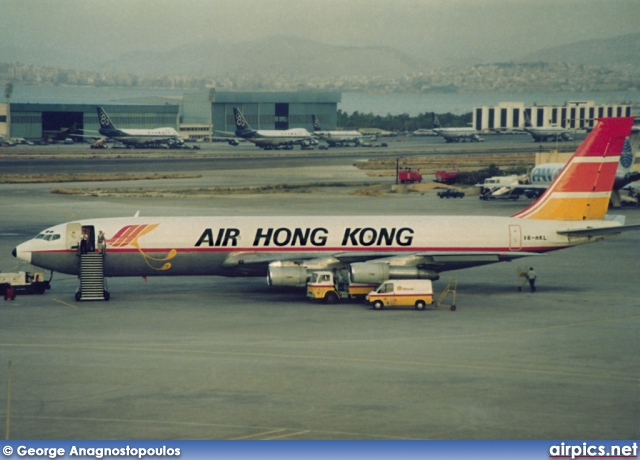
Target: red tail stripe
(579, 177)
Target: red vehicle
(408, 176)
(446, 177)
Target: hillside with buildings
(283, 64)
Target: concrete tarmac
(218, 358)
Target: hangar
(52, 121)
(196, 114)
(272, 110)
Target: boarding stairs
(92, 283)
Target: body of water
(378, 104)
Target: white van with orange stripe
(402, 293)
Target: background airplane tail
(105, 121)
(316, 123)
(581, 191)
(436, 122)
(629, 151)
(242, 126)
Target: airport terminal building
(578, 115)
(196, 114)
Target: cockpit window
(48, 235)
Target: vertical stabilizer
(582, 189)
(242, 126)
(316, 123)
(105, 121)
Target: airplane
(136, 137)
(336, 138)
(544, 134)
(270, 139)
(288, 249)
(455, 134)
(51, 135)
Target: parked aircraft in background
(424, 132)
(541, 177)
(548, 133)
(62, 134)
(270, 139)
(136, 137)
(336, 138)
(374, 133)
(456, 134)
(374, 249)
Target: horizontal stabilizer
(594, 232)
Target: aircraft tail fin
(242, 126)
(316, 123)
(436, 122)
(105, 121)
(630, 149)
(527, 121)
(581, 191)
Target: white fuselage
(278, 137)
(235, 246)
(143, 136)
(454, 134)
(339, 137)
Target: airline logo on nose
(129, 235)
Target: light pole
(212, 95)
(8, 90)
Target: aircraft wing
(245, 263)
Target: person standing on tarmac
(531, 276)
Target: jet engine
(287, 275)
(371, 272)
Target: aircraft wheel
(78, 295)
(377, 305)
(453, 308)
(331, 298)
(420, 305)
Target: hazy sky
(494, 29)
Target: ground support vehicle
(446, 177)
(24, 282)
(409, 176)
(450, 288)
(402, 293)
(333, 286)
(451, 193)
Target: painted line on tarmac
(65, 303)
